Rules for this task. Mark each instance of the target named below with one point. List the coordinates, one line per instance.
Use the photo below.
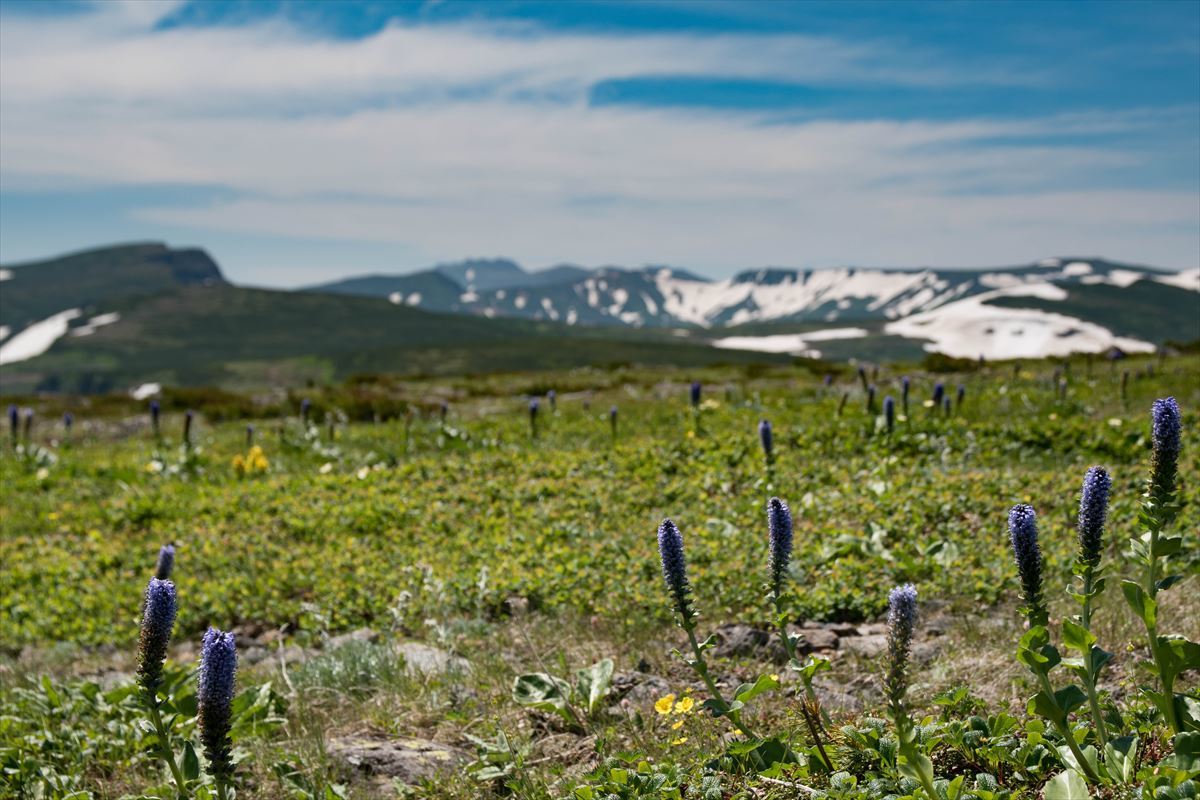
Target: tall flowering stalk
(214, 701)
(155, 413)
(552, 396)
(779, 557)
(188, 418)
(939, 391)
(871, 399)
(159, 607)
(842, 403)
(889, 413)
(612, 422)
(14, 423)
(68, 422)
(960, 395)
(694, 394)
(1153, 550)
(533, 417)
(904, 387)
(901, 622)
(862, 377)
(674, 569)
(1077, 633)
(766, 438)
(28, 425)
(165, 563)
(1035, 650)
(305, 407)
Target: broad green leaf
(1120, 758)
(593, 684)
(191, 764)
(1142, 604)
(748, 691)
(1077, 637)
(1068, 785)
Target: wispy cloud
(473, 137)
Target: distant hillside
(199, 330)
(92, 279)
(112, 318)
(669, 297)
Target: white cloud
(464, 139)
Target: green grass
(430, 531)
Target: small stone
(741, 640)
(360, 635)
(428, 660)
(838, 628)
(813, 640)
(868, 646)
(638, 690)
(406, 760)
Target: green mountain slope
(93, 280)
(252, 338)
(1146, 309)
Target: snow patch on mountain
(794, 343)
(969, 328)
(35, 339)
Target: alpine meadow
(599, 400)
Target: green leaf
(593, 684)
(1070, 698)
(1142, 604)
(748, 691)
(543, 692)
(1077, 637)
(1068, 785)
(917, 766)
(1120, 759)
(191, 764)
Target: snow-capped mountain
(663, 296)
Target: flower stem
(1065, 730)
(810, 707)
(1089, 683)
(164, 745)
(702, 670)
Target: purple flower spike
(158, 619)
(1093, 511)
(695, 393)
(764, 436)
(1164, 435)
(1023, 534)
(901, 621)
(674, 568)
(214, 698)
(165, 563)
(779, 529)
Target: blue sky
(302, 141)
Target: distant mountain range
(114, 317)
(670, 297)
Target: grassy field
(526, 555)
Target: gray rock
(360, 635)
(638, 690)
(739, 640)
(428, 660)
(869, 646)
(401, 759)
(815, 639)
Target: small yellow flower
(679, 741)
(677, 725)
(664, 704)
(684, 705)
(691, 434)
(775, 678)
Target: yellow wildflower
(677, 725)
(664, 704)
(684, 705)
(679, 741)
